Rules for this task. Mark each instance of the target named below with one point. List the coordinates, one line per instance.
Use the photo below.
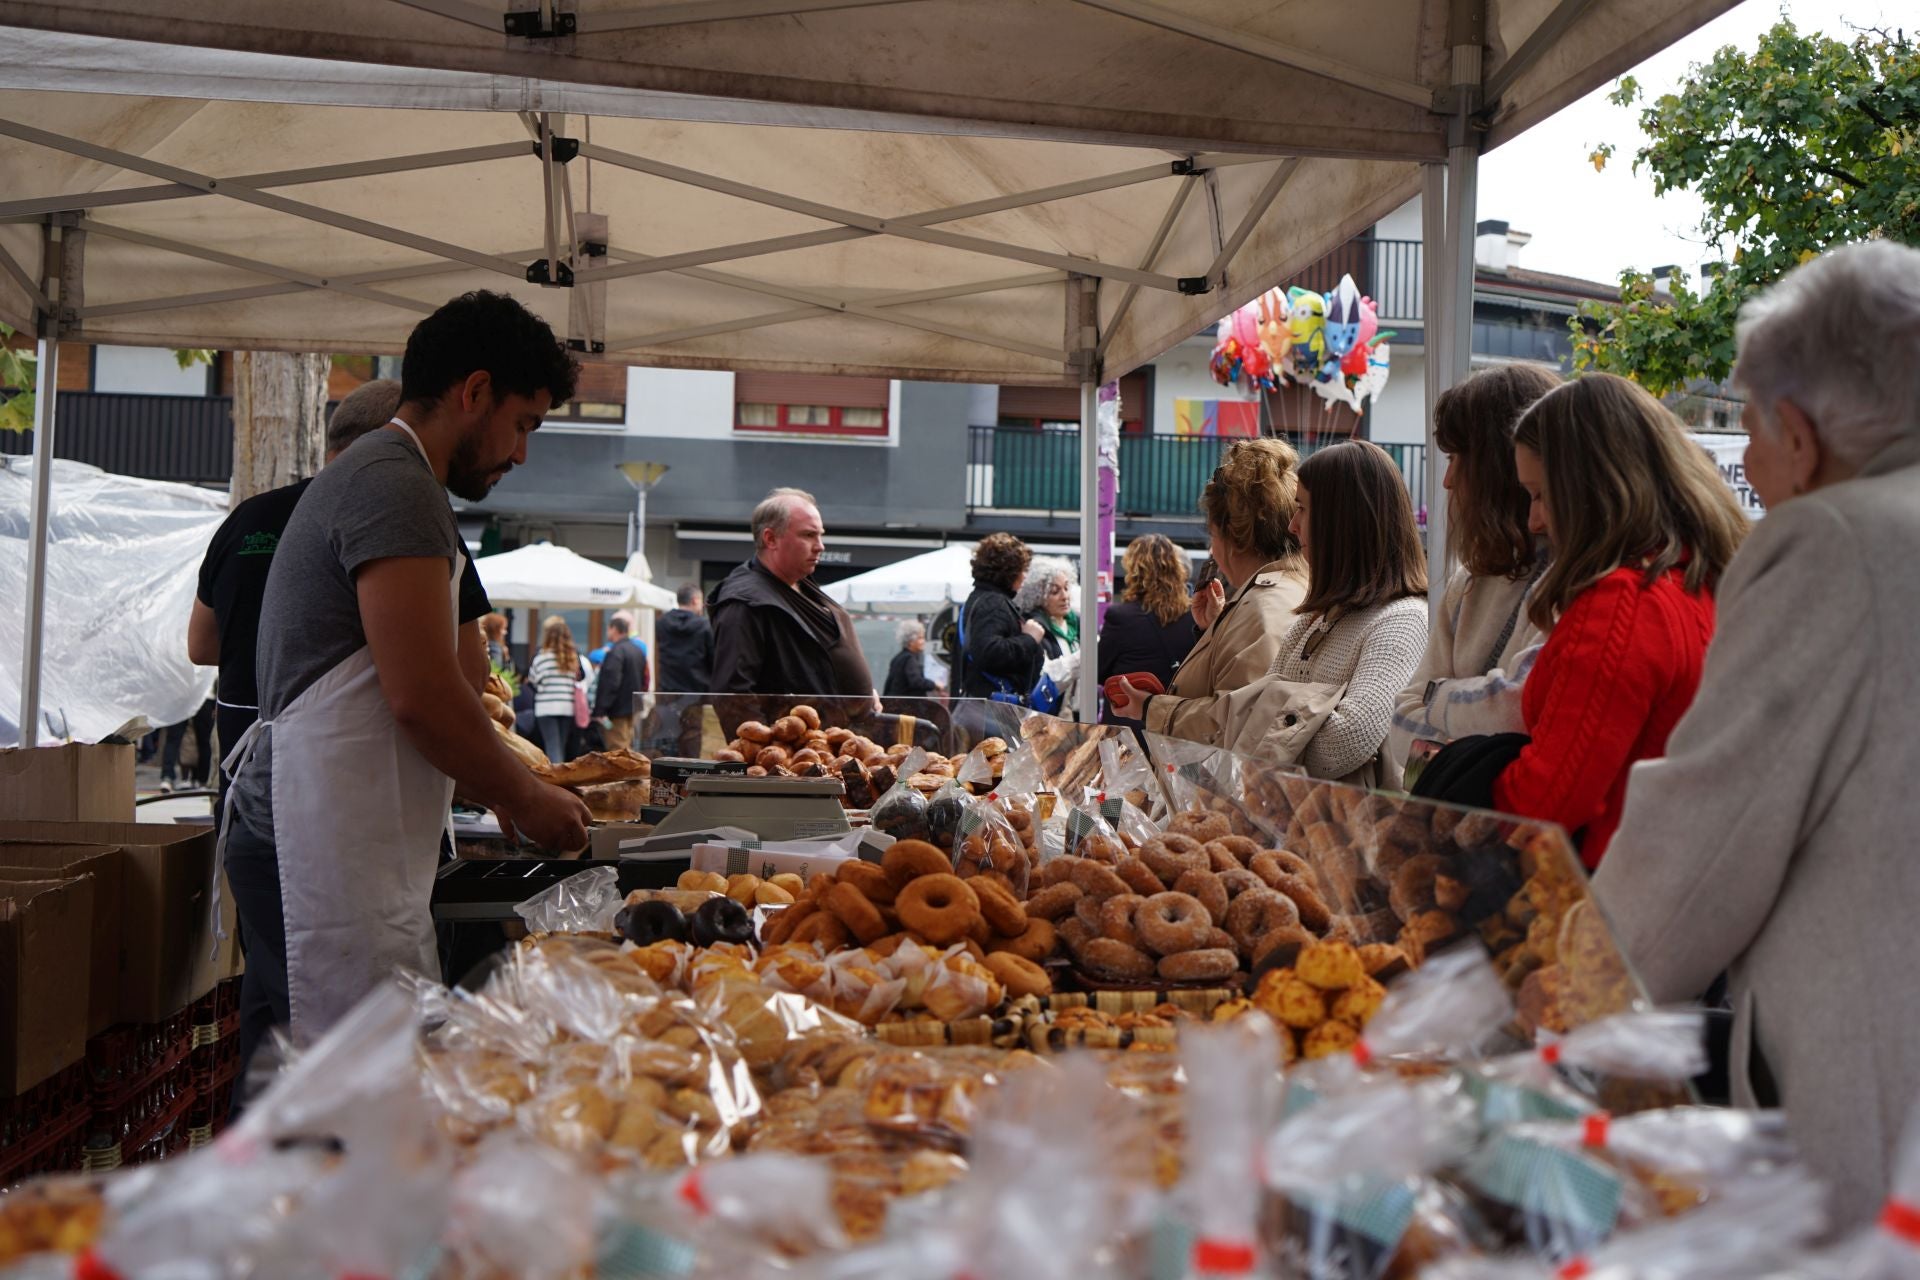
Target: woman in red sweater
(1641, 527)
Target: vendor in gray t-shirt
(366, 721)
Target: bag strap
(1513, 619)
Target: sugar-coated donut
(1201, 826)
(940, 908)
(856, 911)
(1173, 922)
(1097, 880)
(1139, 877)
(1242, 848)
(1019, 975)
(1116, 918)
(1219, 859)
(1170, 863)
(1116, 961)
(1074, 934)
(1087, 911)
(1255, 914)
(1000, 908)
(1209, 888)
(869, 878)
(1036, 944)
(1271, 864)
(1053, 901)
(1239, 880)
(824, 928)
(1313, 910)
(1207, 965)
(1279, 948)
(908, 860)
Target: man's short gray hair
(775, 510)
(908, 632)
(1840, 338)
(687, 594)
(367, 407)
(1041, 572)
(623, 619)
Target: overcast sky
(1595, 224)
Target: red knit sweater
(1618, 671)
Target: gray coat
(1776, 839)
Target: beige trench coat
(1236, 650)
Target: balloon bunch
(1331, 342)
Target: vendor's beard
(468, 476)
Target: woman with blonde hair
(554, 675)
(1150, 628)
(1249, 506)
(1482, 643)
(1641, 527)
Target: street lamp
(642, 476)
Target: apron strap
(235, 763)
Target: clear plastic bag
(944, 810)
(1444, 1011)
(902, 811)
(1233, 1094)
(1127, 773)
(585, 903)
(521, 1209)
(985, 840)
(1090, 835)
(1556, 1080)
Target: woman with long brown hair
(1150, 628)
(554, 674)
(1358, 634)
(1641, 527)
(1481, 644)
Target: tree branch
(1841, 174)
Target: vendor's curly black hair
(999, 561)
(490, 331)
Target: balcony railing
(1393, 280)
(1161, 476)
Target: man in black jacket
(774, 630)
(622, 675)
(686, 644)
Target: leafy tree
(1805, 143)
(17, 371)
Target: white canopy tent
(1024, 191)
(932, 578)
(543, 576)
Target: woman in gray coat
(1775, 841)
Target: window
(599, 397)
(810, 405)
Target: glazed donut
(1019, 975)
(1208, 888)
(1036, 944)
(1116, 918)
(1169, 863)
(857, 912)
(1253, 915)
(824, 928)
(755, 732)
(1173, 922)
(908, 860)
(1116, 961)
(807, 716)
(1271, 864)
(1239, 880)
(770, 757)
(1201, 826)
(1313, 911)
(1139, 877)
(1219, 859)
(940, 908)
(789, 729)
(1097, 880)
(999, 907)
(869, 878)
(1053, 901)
(1209, 965)
(1242, 848)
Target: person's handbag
(582, 714)
(1275, 720)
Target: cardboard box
(44, 952)
(109, 958)
(166, 876)
(77, 782)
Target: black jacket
(685, 642)
(996, 645)
(1133, 640)
(772, 638)
(623, 674)
(907, 676)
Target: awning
(543, 576)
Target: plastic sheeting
(122, 564)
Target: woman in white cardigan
(1360, 631)
(1774, 840)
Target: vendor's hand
(1208, 601)
(1033, 629)
(549, 816)
(1132, 702)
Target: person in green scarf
(1047, 597)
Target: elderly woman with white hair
(907, 676)
(1773, 842)
(1047, 598)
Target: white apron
(357, 819)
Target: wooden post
(279, 419)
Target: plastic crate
(51, 1148)
(125, 1061)
(60, 1096)
(161, 1133)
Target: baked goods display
(597, 768)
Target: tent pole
(1435, 317)
(1088, 703)
(45, 395)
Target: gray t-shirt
(376, 501)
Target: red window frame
(834, 426)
